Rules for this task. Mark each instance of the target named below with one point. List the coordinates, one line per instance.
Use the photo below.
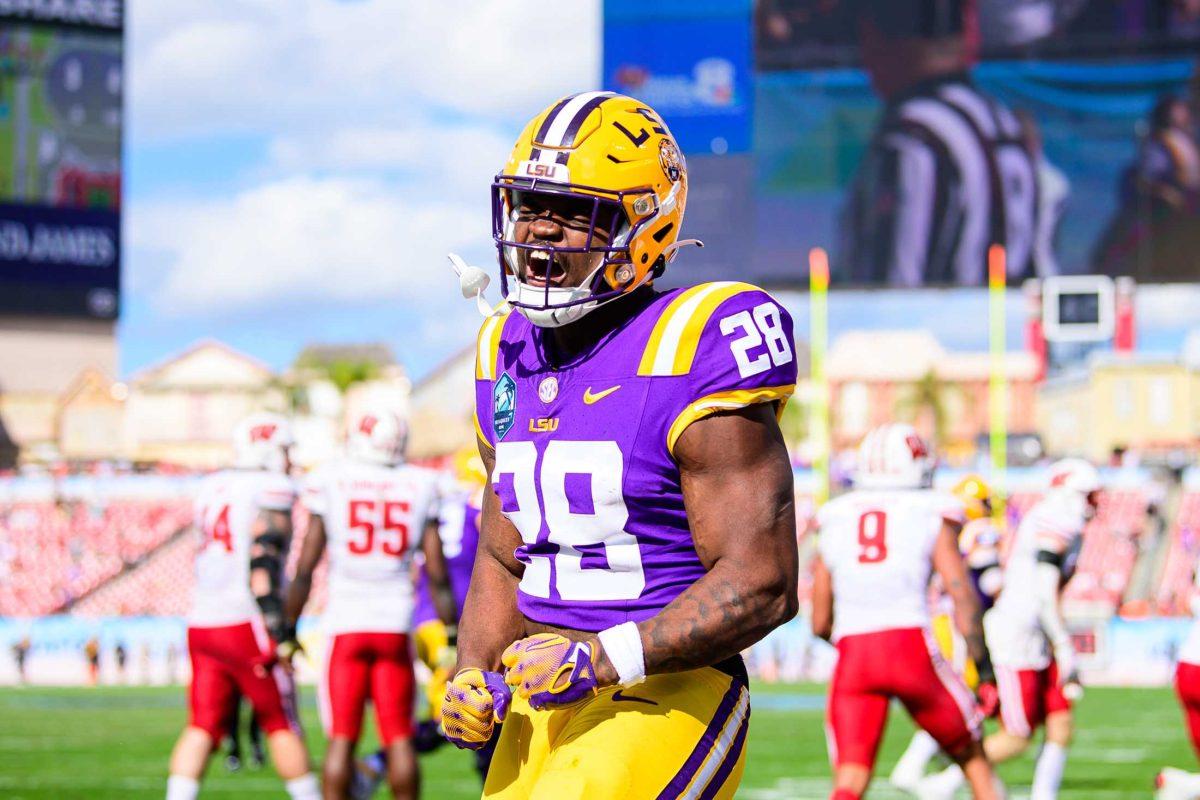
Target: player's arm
(272, 533)
(310, 556)
(490, 619)
(477, 696)
(738, 492)
(1047, 584)
(822, 600)
(439, 577)
(968, 617)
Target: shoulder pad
(673, 342)
(487, 348)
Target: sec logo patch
(548, 389)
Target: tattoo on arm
(737, 486)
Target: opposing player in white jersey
(244, 518)
(979, 543)
(877, 549)
(372, 513)
(1034, 658)
(1172, 783)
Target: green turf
(113, 743)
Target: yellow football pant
(674, 736)
(432, 641)
(954, 649)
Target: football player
(1172, 783)
(244, 516)
(640, 530)
(373, 513)
(877, 548)
(979, 543)
(1035, 661)
(458, 525)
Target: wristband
(623, 646)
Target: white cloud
(335, 241)
(452, 159)
(200, 67)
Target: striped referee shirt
(945, 175)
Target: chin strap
(672, 250)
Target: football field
(114, 742)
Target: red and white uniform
(878, 547)
(1026, 674)
(1187, 672)
(227, 641)
(374, 519)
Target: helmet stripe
(544, 128)
(568, 137)
(562, 120)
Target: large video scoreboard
(61, 89)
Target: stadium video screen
(1079, 308)
(60, 157)
(906, 136)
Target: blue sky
(296, 171)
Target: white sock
(944, 783)
(181, 788)
(1180, 781)
(304, 788)
(1047, 775)
(911, 765)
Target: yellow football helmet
(618, 154)
(469, 469)
(976, 495)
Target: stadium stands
(1175, 587)
(54, 552)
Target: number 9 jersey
(585, 469)
(878, 547)
(374, 519)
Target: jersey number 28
(761, 324)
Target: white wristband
(623, 645)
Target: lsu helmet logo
(670, 159)
(262, 433)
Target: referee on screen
(946, 173)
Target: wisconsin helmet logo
(262, 433)
(367, 425)
(670, 159)
(504, 405)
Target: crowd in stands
(98, 553)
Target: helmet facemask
(601, 214)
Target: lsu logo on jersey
(504, 405)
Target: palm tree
(927, 395)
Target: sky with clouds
(297, 170)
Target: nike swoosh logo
(590, 398)
(619, 696)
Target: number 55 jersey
(585, 467)
(374, 519)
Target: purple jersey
(584, 465)
(458, 528)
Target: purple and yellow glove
(475, 701)
(550, 670)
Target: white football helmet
(378, 436)
(894, 456)
(1076, 475)
(262, 441)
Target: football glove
(550, 670)
(475, 701)
(987, 690)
